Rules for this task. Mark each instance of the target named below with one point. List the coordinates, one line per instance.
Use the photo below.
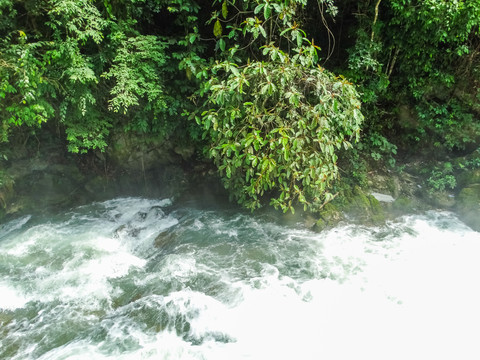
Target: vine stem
(375, 21)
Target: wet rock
(156, 212)
(185, 151)
(165, 239)
(439, 199)
(47, 188)
(365, 207)
(97, 185)
(6, 195)
(355, 205)
(383, 197)
(133, 152)
(127, 230)
(140, 216)
(468, 205)
(468, 177)
(329, 216)
(404, 205)
(384, 183)
(120, 231)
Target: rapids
(136, 278)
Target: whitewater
(136, 278)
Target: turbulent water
(141, 279)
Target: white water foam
(408, 290)
(13, 225)
(414, 295)
(11, 298)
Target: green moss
(376, 209)
(6, 193)
(403, 205)
(468, 205)
(365, 207)
(320, 225)
(469, 177)
(360, 200)
(355, 202)
(391, 185)
(330, 215)
(469, 197)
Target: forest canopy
(273, 91)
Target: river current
(136, 278)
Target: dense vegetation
(273, 91)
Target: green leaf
(280, 139)
(258, 8)
(234, 70)
(262, 30)
(217, 29)
(285, 31)
(108, 7)
(299, 39)
(267, 11)
(221, 44)
(224, 9)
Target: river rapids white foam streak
(140, 279)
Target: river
(135, 278)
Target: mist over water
(139, 278)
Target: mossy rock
(403, 205)
(469, 177)
(132, 152)
(440, 199)
(362, 207)
(377, 213)
(385, 183)
(468, 206)
(330, 215)
(365, 207)
(99, 185)
(7, 193)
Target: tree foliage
(258, 76)
(276, 128)
(90, 67)
(423, 54)
(275, 123)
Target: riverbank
(46, 177)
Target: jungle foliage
(277, 92)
